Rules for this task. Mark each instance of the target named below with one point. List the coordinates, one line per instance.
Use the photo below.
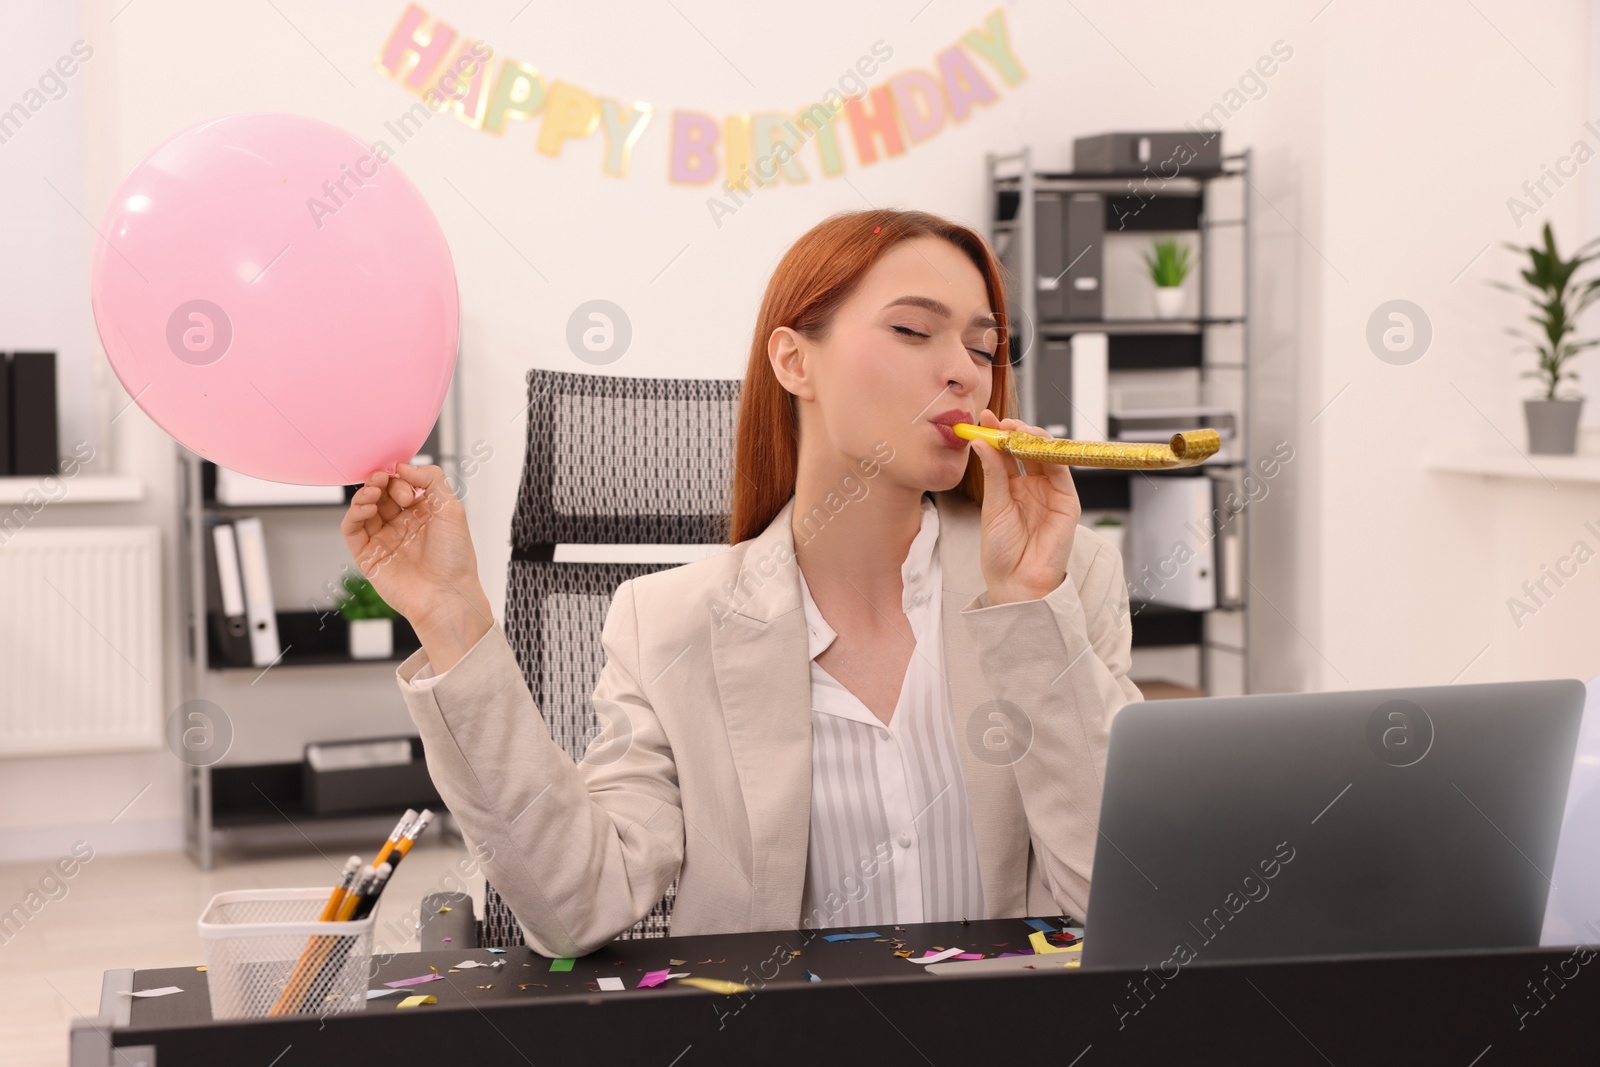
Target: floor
(141, 911)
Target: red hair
(818, 274)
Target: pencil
(308, 955)
(358, 905)
(409, 838)
(394, 836)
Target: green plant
(1108, 520)
(1558, 299)
(1170, 265)
(361, 601)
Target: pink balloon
(277, 296)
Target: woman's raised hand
(407, 533)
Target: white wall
(1384, 150)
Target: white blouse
(891, 832)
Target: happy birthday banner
(766, 147)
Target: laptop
(1572, 916)
(1327, 824)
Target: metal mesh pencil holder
(268, 954)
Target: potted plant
(1168, 268)
(1558, 299)
(371, 620)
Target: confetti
(417, 1002)
(444, 909)
(810, 977)
(937, 957)
(497, 951)
(164, 991)
(200, 968)
(851, 937)
(561, 965)
(715, 985)
(610, 984)
(1039, 943)
(433, 977)
(677, 963)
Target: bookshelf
(1205, 357)
(245, 788)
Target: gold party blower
(1187, 449)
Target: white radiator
(80, 640)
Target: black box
(33, 414)
(400, 786)
(1163, 154)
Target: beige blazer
(702, 770)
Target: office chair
(610, 461)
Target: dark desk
(1467, 1009)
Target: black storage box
(1172, 154)
(361, 789)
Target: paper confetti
(906, 952)
(1040, 924)
(715, 985)
(447, 939)
(433, 977)
(610, 984)
(1037, 939)
(850, 937)
(810, 977)
(938, 957)
(496, 951)
(468, 964)
(374, 994)
(652, 979)
(200, 968)
(561, 965)
(444, 909)
(677, 963)
(970, 956)
(417, 1002)
(164, 991)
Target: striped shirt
(891, 832)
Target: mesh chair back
(609, 461)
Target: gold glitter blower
(1187, 449)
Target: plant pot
(371, 638)
(1552, 426)
(1169, 302)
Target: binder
(225, 604)
(1172, 541)
(33, 414)
(257, 582)
(1084, 237)
(1090, 390)
(5, 416)
(1049, 248)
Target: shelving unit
(252, 794)
(1150, 348)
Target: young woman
(887, 702)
